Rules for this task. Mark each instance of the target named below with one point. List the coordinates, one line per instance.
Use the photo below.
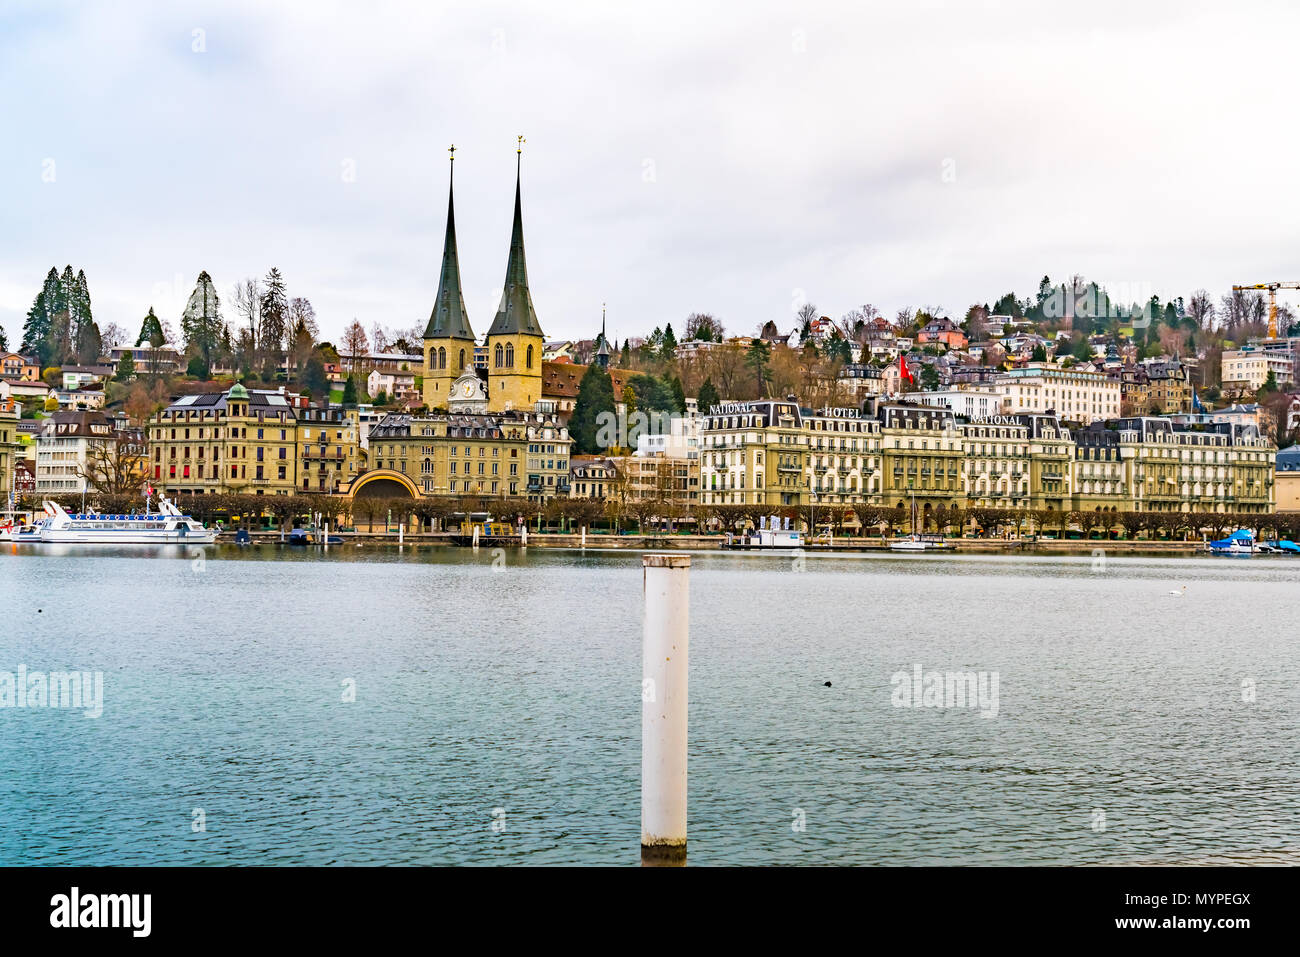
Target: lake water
(1132, 726)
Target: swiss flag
(904, 373)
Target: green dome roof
(237, 391)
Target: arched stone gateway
(383, 483)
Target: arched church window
(530, 357)
(498, 354)
(510, 355)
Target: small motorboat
(1240, 542)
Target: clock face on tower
(469, 390)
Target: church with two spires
(514, 340)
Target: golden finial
(452, 150)
(519, 145)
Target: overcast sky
(736, 159)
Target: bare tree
(111, 336)
(301, 311)
(114, 466)
(1201, 308)
(355, 344)
(247, 299)
(704, 327)
(726, 366)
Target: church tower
(602, 344)
(448, 338)
(514, 343)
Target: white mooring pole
(664, 660)
(475, 536)
(523, 535)
(584, 536)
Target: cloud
(680, 156)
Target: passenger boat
(767, 536)
(166, 526)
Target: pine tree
(350, 392)
(668, 345)
(125, 367)
(36, 330)
(708, 398)
(89, 344)
(151, 331)
(594, 407)
(274, 308)
(201, 323)
(625, 355)
(314, 378)
(679, 393)
(4, 340)
(61, 331)
(85, 333)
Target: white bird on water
(1179, 592)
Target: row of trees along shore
(653, 517)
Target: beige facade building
(242, 442)
(1075, 395)
(1245, 370)
(494, 454)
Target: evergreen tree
(62, 341)
(1039, 354)
(196, 368)
(89, 345)
(201, 325)
(594, 407)
(350, 392)
(314, 378)
(708, 397)
(86, 341)
(36, 330)
(151, 331)
(125, 367)
(652, 395)
(668, 345)
(625, 355)
(757, 358)
(274, 308)
(4, 340)
(679, 393)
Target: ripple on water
(511, 698)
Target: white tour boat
(166, 526)
(767, 536)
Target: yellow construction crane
(1272, 288)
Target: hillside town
(1066, 412)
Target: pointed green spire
(602, 344)
(449, 319)
(515, 315)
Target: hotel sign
(838, 413)
(997, 420)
